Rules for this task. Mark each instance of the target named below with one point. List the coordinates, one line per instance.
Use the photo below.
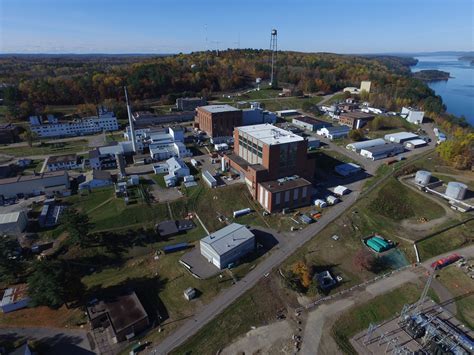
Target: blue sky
(170, 26)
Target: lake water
(458, 91)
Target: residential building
(290, 192)
(15, 298)
(357, 146)
(382, 151)
(55, 182)
(124, 315)
(63, 162)
(228, 245)
(255, 115)
(190, 103)
(95, 179)
(13, 223)
(218, 120)
(9, 133)
(335, 132)
(355, 119)
(309, 123)
(400, 137)
(105, 121)
(263, 153)
(412, 115)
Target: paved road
(315, 326)
(60, 341)
(275, 258)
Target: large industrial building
(382, 151)
(228, 245)
(63, 162)
(218, 120)
(335, 132)
(400, 137)
(264, 153)
(56, 182)
(105, 121)
(189, 103)
(357, 146)
(289, 192)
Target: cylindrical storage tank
(456, 190)
(422, 177)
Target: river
(458, 91)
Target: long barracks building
(267, 154)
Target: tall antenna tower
(207, 47)
(130, 122)
(274, 50)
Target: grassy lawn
(254, 308)
(459, 284)
(376, 310)
(159, 179)
(47, 148)
(397, 202)
(449, 240)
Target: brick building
(218, 120)
(265, 153)
(355, 119)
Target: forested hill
(64, 80)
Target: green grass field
(47, 148)
(461, 286)
(376, 310)
(455, 238)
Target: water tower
(274, 50)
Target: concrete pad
(198, 264)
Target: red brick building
(265, 153)
(218, 120)
(355, 119)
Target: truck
(443, 262)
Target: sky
(172, 26)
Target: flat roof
(123, 311)
(337, 129)
(14, 294)
(283, 184)
(357, 115)
(62, 158)
(167, 228)
(228, 238)
(218, 108)
(310, 120)
(11, 217)
(25, 178)
(416, 141)
(347, 167)
(270, 134)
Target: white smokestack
(130, 122)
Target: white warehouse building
(358, 146)
(412, 115)
(227, 245)
(13, 223)
(104, 122)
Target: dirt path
(270, 339)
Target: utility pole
(274, 50)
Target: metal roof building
(227, 245)
(13, 223)
(219, 108)
(382, 151)
(357, 146)
(400, 137)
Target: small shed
(190, 293)
(341, 190)
(332, 200)
(15, 298)
(320, 203)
